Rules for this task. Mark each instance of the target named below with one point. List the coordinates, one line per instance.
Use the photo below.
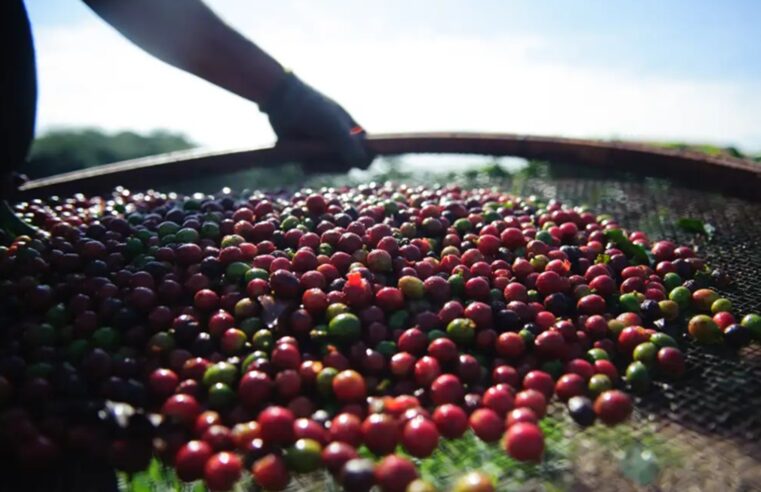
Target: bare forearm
(188, 35)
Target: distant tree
(59, 151)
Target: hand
(297, 111)
(10, 182)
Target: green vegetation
(455, 457)
(451, 459)
(696, 226)
(60, 151)
(713, 150)
(639, 455)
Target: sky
(676, 70)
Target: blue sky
(648, 69)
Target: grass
(712, 150)
(631, 452)
(470, 453)
(452, 458)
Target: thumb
(352, 148)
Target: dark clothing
(18, 85)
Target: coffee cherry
(349, 386)
(304, 428)
(446, 389)
(581, 410)
(270, 472)
(191, 460)
(499, 398)
(450, 420)
(570, 385)
(420, 437)
(532, 399)
(394, 474)
(182, 408)
(510, 345)
(473, 482)
(524, 442)
(420, 485)
(357, 475)
(276, 425)
(255, 388)
(304, 455)
(346, 427)
(540, 381)
(613, 407)
(522, 414)
(486, 424)
(336, 454)
(380, 433)
(222, 470)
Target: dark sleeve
(18, 85)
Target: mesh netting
(701, 433)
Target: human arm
(189, 36)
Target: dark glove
(298, 112)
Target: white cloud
(390, 81)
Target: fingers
(347, 137)
(300, 112)
(353, 150)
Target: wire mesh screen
(700, 433)
(703, 432)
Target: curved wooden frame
(718, 173)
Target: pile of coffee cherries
(280, 333)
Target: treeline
(59, 151)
